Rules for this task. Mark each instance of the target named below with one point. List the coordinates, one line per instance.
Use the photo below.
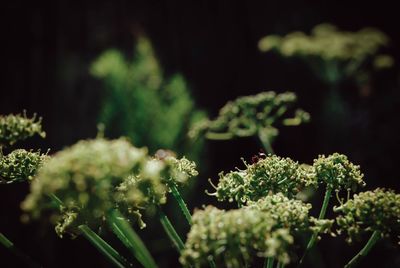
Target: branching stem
(365, 250)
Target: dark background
(47, 48)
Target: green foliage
(370, 211)
(140, 103)
(331, 53)
(337, 172)
(18, 127)
(20, 165)
(270, 175)
(94, 176)
(251, 116)
(232, 238)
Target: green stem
(56, 200)
(269, 262)
(181, 203)
(265, 143)
(108, 251)
(321, 216)
(101, 245)
(212, 264)
(122, 229)
(170, 230)
(218, 136)
(19, 254)
(280, 265)
(365, 250)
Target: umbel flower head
(94, 176)
(332, 54)
(246, 116)
(18, 127)
(20, 165)
(370, 211)
(288, 213)
(272, 174)
(327, 42)
(337, 172)
(232, 237)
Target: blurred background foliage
(138, 102)
(51, 49)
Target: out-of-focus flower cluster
(337, 172)
(94, 176)
(248, 115)
(20, 165)
(272, 174)
(18, 127)
(327, 42)
(370, 211)
(327, 46)
(265, 228)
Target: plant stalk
(108, 251)
(265, 143)
(269, 262)
(181, 203)
(122, 229)
(321, 216)
(101, 245)
(19, 254)
(170, 230)
(365, 250)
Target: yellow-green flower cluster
(15, 128)
(291, 214)
(94, 176)
(370, 211)
(180, 170)
(246, 116)
(265, 228)
(328, 43)
(287, 213)
(270, 175)
(20, 165)
(233, 238)
(337, 172)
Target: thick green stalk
(108, 251)
(269, 262)
(365, 250)
(122, 229)
(19, 254)
(321, 216)
(280, 265)
(170, 230)
(181, 203)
